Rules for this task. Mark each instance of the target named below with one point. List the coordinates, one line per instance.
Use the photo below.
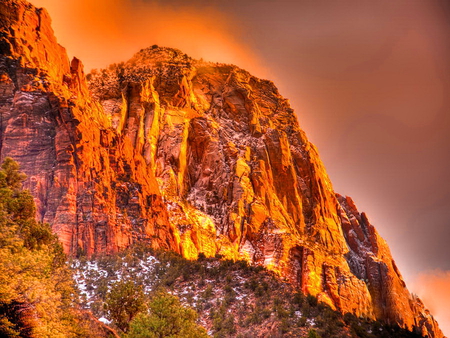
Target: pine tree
(166, 318)
(35, 284)
(123, 302)
(313, 334)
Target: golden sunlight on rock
(188, 156)
(258, 193)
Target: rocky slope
(231, 298)
(188, 156)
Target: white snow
(105, 321)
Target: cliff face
(189, 156)
(88, 181)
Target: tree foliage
(35, 285)
(313, 334)
(123, 302)
(166, 318)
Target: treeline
(232, 298)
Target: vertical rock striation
(240, 178)
(89, 181)
(190, 156)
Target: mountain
(187, 156)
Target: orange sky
(433, 288)
(368, 79)
(102, 32)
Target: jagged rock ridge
(189, 156)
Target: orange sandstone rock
(89, 182)
(241, 179)
(189, 156)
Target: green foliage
(313, 334)
(10, 176)
(166, 317)
(35, 286)
(223, 322)
(312, 301)
(123, 302)
(207, 294)
(365, 328)
(233, 298)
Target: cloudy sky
(369, 81)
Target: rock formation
(189, 156)
(88, 181)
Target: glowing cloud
(433, 287)
(102, 32)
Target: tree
(166, 318)
(10, 176)
(123, 302)
(313, 334)
(35, 285)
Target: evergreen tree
(35, 285)
(166, 318)
(313, 334)
(123, 302)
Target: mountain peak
(156, 54)
(193, 157)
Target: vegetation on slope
(166, 317)
(232, 299)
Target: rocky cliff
(189, 156)
(88, 181)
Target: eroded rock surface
(88, 180)
(240, 178)
(190, 156)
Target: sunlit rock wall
(88, 181)
(189, 156)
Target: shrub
(166, 317)
(36, 292)
(313, 334)
(123, 302)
